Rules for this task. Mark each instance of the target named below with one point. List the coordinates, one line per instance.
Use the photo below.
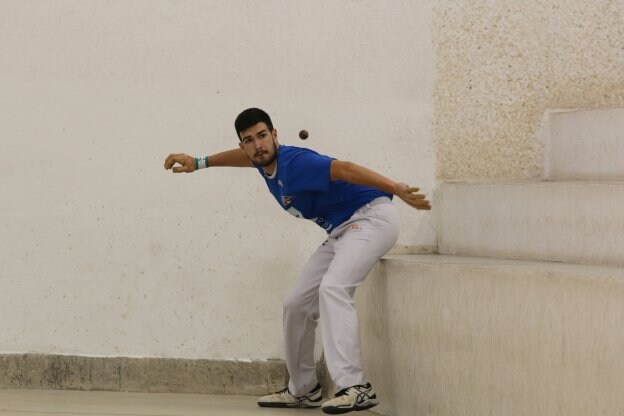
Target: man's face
(259, 144)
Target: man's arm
(234, 158)
(359, 175)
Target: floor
(77, 403)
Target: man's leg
(301, 311)
(362, 241)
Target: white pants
(325, 290)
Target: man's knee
(293, 305)
(331, 291)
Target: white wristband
(201, 162)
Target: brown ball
(303, 134)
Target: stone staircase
(522, 312)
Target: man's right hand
(186, 162)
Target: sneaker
(283, 398)
(360, 397)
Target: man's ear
(274, 134)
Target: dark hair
(250, 118)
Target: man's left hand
(411, 197)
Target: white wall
(106, 253)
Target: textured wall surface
(64, 372)
(501, 63)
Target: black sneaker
(284, 398)
(360, 397)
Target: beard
(264, 163)
(267, 162)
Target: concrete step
(585, 145)
(576, 222)
(445, 335)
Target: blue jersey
(302, 186)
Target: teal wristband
(201, 162)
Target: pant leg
(301, 311)
(360, 243)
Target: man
(353, 204)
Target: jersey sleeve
(309, 171)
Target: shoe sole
(341, 410)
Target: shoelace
(285, 392)
(361, 390)
(345, 392)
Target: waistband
(361, 211)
